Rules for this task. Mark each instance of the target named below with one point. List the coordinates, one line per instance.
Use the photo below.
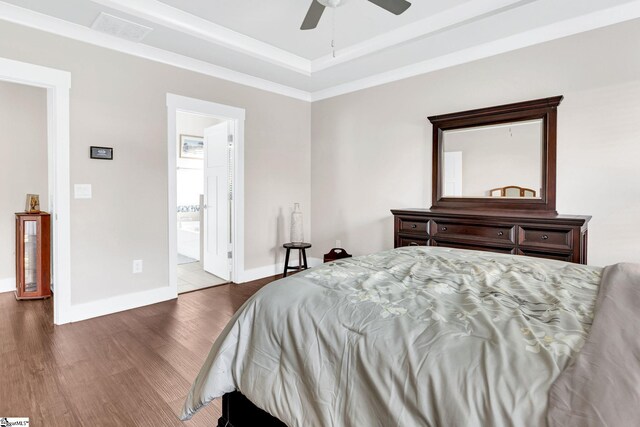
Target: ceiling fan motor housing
(332, 3)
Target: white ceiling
(258, 42)
(277, 22)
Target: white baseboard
(272, 270)
(120, 303)
(124, 302)
(8, 285)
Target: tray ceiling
(258, 42)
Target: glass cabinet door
(30, 256)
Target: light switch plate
(82, 191)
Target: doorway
(205, 142)
(57, 84)
(203, 203)
(23, 170)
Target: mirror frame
(545, 109)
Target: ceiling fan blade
(394, 6)
(313, 16)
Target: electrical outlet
(137, 266)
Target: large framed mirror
(500, 157)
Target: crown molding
(39, 21)
(422, 28)
(184, 22)
(568, 27)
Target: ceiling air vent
(119, 27)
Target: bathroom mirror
(496, 158)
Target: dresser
(559, 237)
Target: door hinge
(230, 254)
(229, 138)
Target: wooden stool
(302, 256)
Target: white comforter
(408, 337)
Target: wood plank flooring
(128, 369)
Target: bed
(415, 336)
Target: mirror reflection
(502, 160)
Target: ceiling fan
(317, 7)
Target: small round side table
(302, 256)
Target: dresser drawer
(547, 255)
(410, 241)
(413, 226)
(501, 234)
(474, 247)
(545, 238)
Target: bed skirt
(238, 411)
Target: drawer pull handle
(444, 229)
(545, 237)
(413, 244)
(500, 233)
(414, 225)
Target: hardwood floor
(129, 369)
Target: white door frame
(176, 103)
(57, 83)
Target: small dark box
(102, 153)
(336, 253)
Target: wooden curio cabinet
(33, 255)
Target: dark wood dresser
(560, 237)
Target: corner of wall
(272, 270)
(7, 285)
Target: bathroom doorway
(219, 189)
(203, 208)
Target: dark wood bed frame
(238, 411)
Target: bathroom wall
(190, 185)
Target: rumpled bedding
(415, 336)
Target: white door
(216, 201)
(453, 174)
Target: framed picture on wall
(191, 147)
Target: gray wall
(23, 161)
(119, 101)
(371, 149)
